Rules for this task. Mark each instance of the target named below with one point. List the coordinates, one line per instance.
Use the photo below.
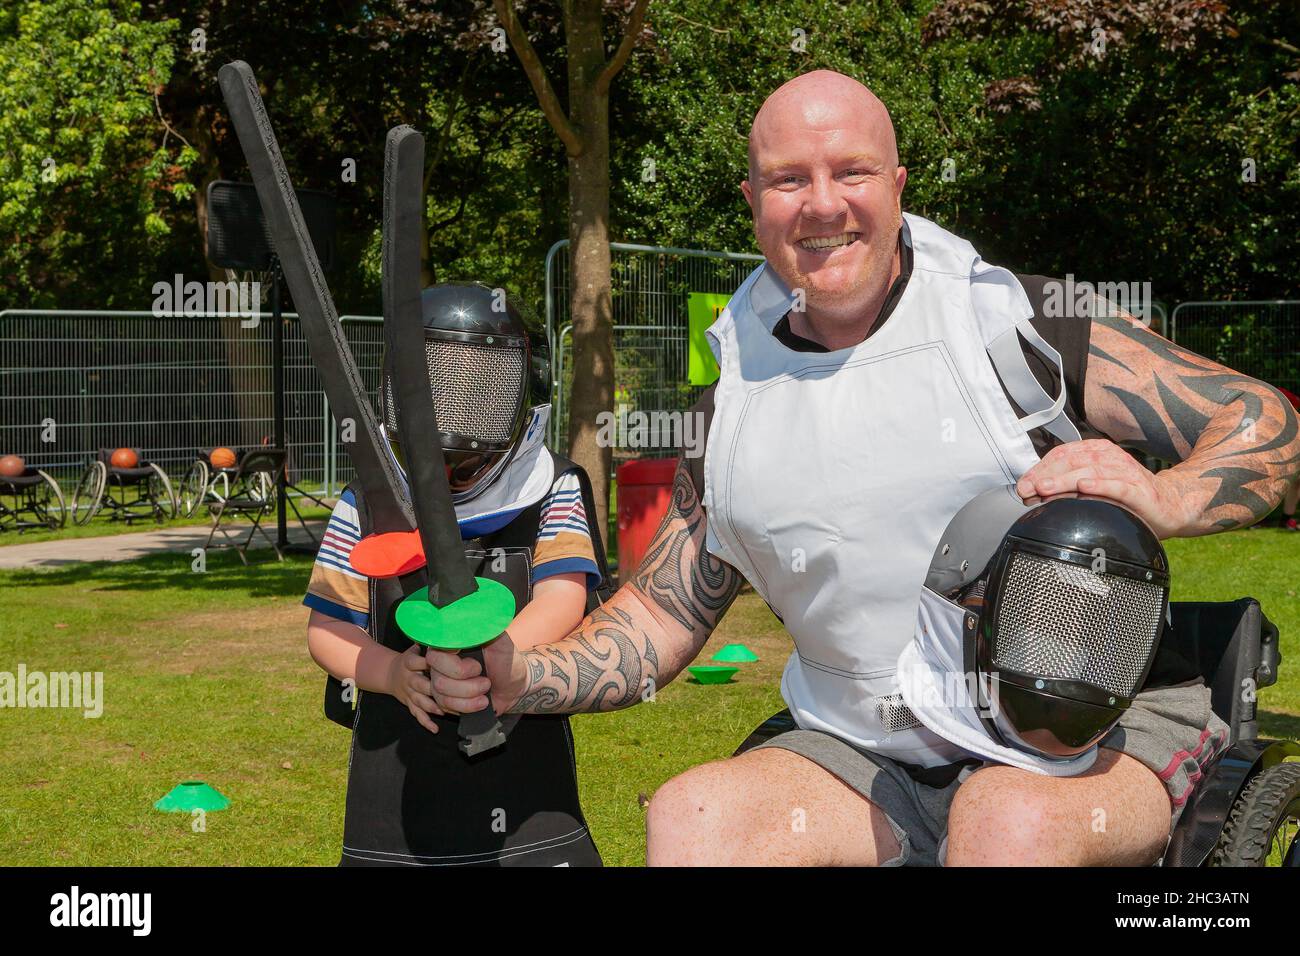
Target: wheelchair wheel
(48, 503)
(89, 496)
(194, 488)
(161, 494)
(261, 486)
(1263, 827)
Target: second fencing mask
(480, 371)
(1052, 614)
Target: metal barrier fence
(651, 329)
(641, 355)
(74, 381)
(1159, 320)
(1257, 338)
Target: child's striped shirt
(563, 546)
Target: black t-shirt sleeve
(704, 409)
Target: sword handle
(482, 731)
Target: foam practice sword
(457, 611)
(460, 615)
(377, 473)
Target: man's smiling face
(824, 190)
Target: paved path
(127, 547)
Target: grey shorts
(1170, 730)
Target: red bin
(645, 488)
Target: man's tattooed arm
(642, 637)
(1232, 439)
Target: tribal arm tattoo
(1232, 439)
(647, 632)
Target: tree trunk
(590, 305)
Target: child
(413, 799)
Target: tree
(689, 104)
(89, 171)
(584, 131)
(336, 78)
(1141, 141)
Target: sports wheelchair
(31, 500)
(142, 492)
(206, 483)
(1245, 810)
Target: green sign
(703, 309)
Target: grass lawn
(207, 676)
(100, 526)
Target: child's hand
(408, 681)
(458, 684)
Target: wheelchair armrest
(1211, 802)
(1270, 657)
(1231, 646)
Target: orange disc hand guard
(388, 555)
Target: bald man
(822, 445)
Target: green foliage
(1130, 165)
(1123, 167)
(497, 232)
(82, 172)
(1259, 340)
(689, 103)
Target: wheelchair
(253, 497)
(31, 500)
(126, 494)
(206, 483)
(1245, 810)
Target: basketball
(222, 458)
(124, 458)
(11, 466)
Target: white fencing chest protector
(830, 476)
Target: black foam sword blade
(417, 422)
(448, 573)
(377, 474)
